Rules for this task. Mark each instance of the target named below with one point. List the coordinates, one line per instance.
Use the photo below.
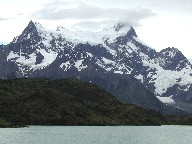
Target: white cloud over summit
(159, 23)
(83, 12)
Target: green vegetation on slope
(66, 102)
(69, 102)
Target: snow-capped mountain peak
(109, 34)
(172, 59)
(39, 52)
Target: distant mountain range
(3, 43)
(115, 59)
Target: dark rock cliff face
(112, 59)
(172, 59)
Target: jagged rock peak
(61, 28)
(132, 32)
(31, 24)
(34, 25)
(170, 51)
(31, 29)
(172, 59)
(118, 26)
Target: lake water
(97, 135)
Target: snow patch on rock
(167, 100)
(79, 65)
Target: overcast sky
(159, 23)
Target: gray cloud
(3, 19)
(20, 14)
(66, 10)
(58, 3)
